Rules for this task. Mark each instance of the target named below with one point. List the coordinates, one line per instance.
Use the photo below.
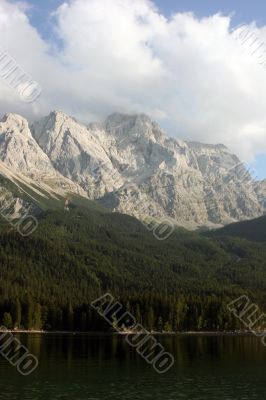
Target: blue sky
(259, 166)
(244, 11)
(241, 11)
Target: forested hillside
(48, 280)
(250, 230)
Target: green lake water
(102, 367)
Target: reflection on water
(95, 367)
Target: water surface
(102, 367)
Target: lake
(100, 367)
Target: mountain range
(128, 164)
(82, 250)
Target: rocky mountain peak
(14, 123)
(193, 184)
(133, 127)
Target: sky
(243, 11)
(188, 64)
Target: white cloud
(190, 74)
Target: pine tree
(17, 317)
(7, 320)
(160, 324)
(150, 319)
(70, 317)
(181, 309)
(29, 314)
(37, 317)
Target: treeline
(167, 314)
(48, 280)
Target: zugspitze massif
(128, 164)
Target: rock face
(129, 164)
(20, 152)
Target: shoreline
(152, 333)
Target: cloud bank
(191, 75)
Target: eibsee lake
(100, 367)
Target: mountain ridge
(130, 165)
